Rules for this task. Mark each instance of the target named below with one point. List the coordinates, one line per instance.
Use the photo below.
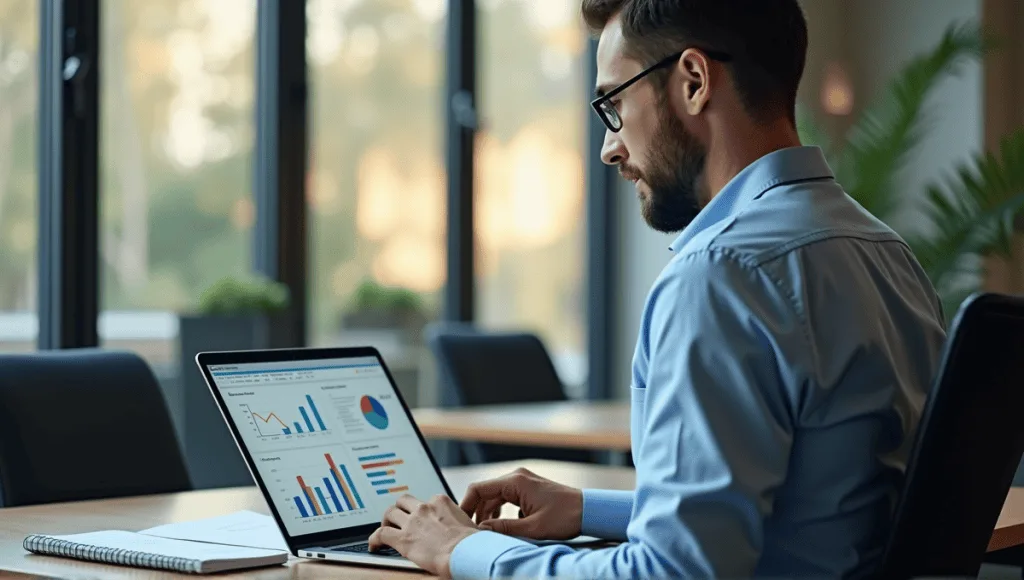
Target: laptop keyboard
(364, 548)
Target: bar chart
(271, 424)
(340, 489)
(380, 470)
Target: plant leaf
(888, 131)
(971, 215)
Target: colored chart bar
(298, 428)
(372, 457)
(323, 501)
(315, 508)
(348, 489)
(287, 431)
(334, 496)
(316, 413)
(305, 417)
(359, 500)
(393, 490)
(380, 473)
(383, 464)
(341, 486)
(302, 508)
(382, 482)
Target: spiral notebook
(132, 549)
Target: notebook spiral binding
(46, 545)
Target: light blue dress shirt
(783, 361)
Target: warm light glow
(837, 91)
(379, 187)
(410, 261)
(243, 213)
(530, 191)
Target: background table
(602, 426)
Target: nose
(613, 152)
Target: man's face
(653, 149)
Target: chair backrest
(84, 424)
(967, 447)
(495, 368)
(481, 368)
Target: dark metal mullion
(601, 251)
(68, 174)
(461, 123)
(280, 161)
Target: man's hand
(425, 533)
(547, 510)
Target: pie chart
(374, 412)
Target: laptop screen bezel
(339, 535)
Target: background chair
(967, 448)
(481, 368)
(84, 424)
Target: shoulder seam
(754, 266)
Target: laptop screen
(329, 437)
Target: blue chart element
(374, 412)
(298, 428)
(334, 496)
(316, 413)
(302, 508)
(305, 417)
(323, 500)
(352, 486)
(381, 456)
(382, 482)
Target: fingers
(507, 488)
(395, 517)
(408, 503)
(385, 537)
(526, 527)
(489, 509)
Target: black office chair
(496, 369)
(84, 424)
(967, 448)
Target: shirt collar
(777, 168)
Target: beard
(673, 174)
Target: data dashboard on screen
(329, 438)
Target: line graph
(271, 424)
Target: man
(784, 352)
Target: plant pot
(212, 455)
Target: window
(177, 128)
(530, 212)
(19, 44)
(377, 183)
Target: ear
(695, 71)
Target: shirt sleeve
(717, 435)
(606, 513)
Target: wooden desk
(602, 426)
(144, 512)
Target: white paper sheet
(244, 528)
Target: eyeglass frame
(599, 103)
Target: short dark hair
(766, 38)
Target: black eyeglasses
(607, 111)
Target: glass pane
(377, 197)
(177, 95)
(529, 201)
(19, 47)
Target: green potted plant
(377, 307)
(968, 213)
(234, 313)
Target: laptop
(329, 441)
